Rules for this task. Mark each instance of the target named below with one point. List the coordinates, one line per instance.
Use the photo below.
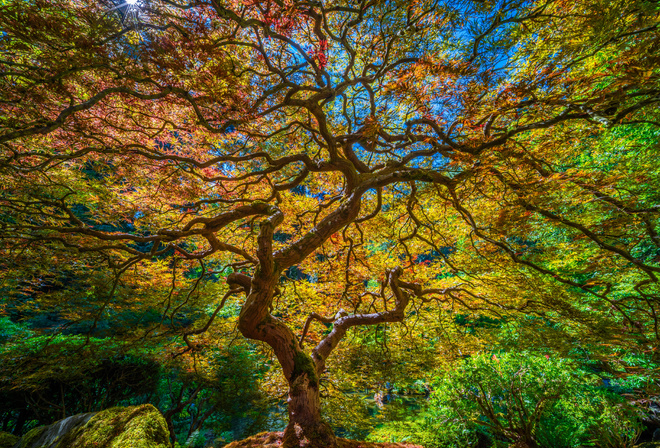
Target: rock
(136, 427)
(48, 436)
(648, 445)
(651, 416)
(7, 440)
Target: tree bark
(306, 427)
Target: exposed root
(274, 440)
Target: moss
(97, 431)
(261, 440)
(134, 427)
(8, 440)
(149, 427)
(31, 436)
(274, 440)
(302, 363)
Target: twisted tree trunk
(305, 423)
(306, 427)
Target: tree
(380, 157)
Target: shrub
(535, 400)
(522, 399)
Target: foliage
(308, 172)
(423, 431)
(9, 330)
(224, 396)
(36, 388)
(520, 398)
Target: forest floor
(274, 440)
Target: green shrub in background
(428, 431)
(522, 399)
(99, 373)
(593, 416)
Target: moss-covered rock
(7, 440)
(134, 427)
(49, 436)
(32, 436)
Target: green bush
(536, 401)
(519, 398)
(446, 431)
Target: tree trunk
(306, 427)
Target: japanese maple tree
(386, 158)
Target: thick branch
(341, 325)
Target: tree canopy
(325, 165)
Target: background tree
(338, 164)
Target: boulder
(48, 436)
(7, 440)
(136, 427)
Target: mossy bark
(306, 427)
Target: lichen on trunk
(306, 427)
